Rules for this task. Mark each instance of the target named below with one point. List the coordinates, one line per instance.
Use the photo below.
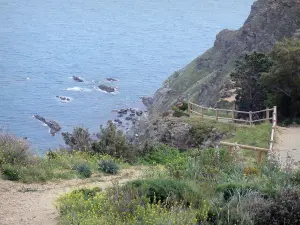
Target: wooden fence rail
(248, 147)
(230, 115)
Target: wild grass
(61, 165)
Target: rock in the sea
(111, 79)
(63, 98)
(106, 88)
(54, 126)
(123, 111)
(147, 101)
(139, 112)
(78, 79)
(128, 118)
(118, 121)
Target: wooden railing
(233, 116)
(232, 146)
(230, 116)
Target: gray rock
(112, 79)
(106, 88)
(147, 101)
(53, 125)
(78, 79)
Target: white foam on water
(78, 89)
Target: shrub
(14, 150)
(113, 142)
(161, 154)
(285, 209)
(119, 206)
(79, 139)
(167, 191)
(229, 189)
(87, 192)
(11, 172)
(83, 169)
(108, 166)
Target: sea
(138, 42)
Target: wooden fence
(228, 115)
(248, 118)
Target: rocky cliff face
(204, 80)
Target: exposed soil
(24, 204)
(288, 143)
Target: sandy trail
(288, 143)
(33, 204)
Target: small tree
(283, 80)
(113, 142)
(251, 93)
(79, 139)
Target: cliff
(206, 79)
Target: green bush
(118, 206)
(167, 191)
(285, 209)
(87, 192)
(83, 169)
(229, 189)
(14, 150)
(113, 142)
(78, 140)
(161, 154)
(11, 172)
(108, 166)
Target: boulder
(147, 101)
(139, 112)
(78, 79)
(106, 88)
(53, 125)
(111, 79)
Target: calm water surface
(44, 43)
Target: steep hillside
(206, 79)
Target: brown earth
(34, 204)
(288, 144)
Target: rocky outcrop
(203, 79)
(78, 79)
(106, 88)
(63, 98)
(53, 125)
(147, 101)
(112, 79)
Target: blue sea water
(140, 42)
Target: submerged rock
(106, 88)
(53, 125)
(63, 98)
(78, 79)
(112, 79)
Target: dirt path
(288, 143)
(24, 204)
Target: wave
(78, 89)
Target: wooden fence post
(189, 109)
(233, 115)
(202, 115)
(217, 114)
(250, 118)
